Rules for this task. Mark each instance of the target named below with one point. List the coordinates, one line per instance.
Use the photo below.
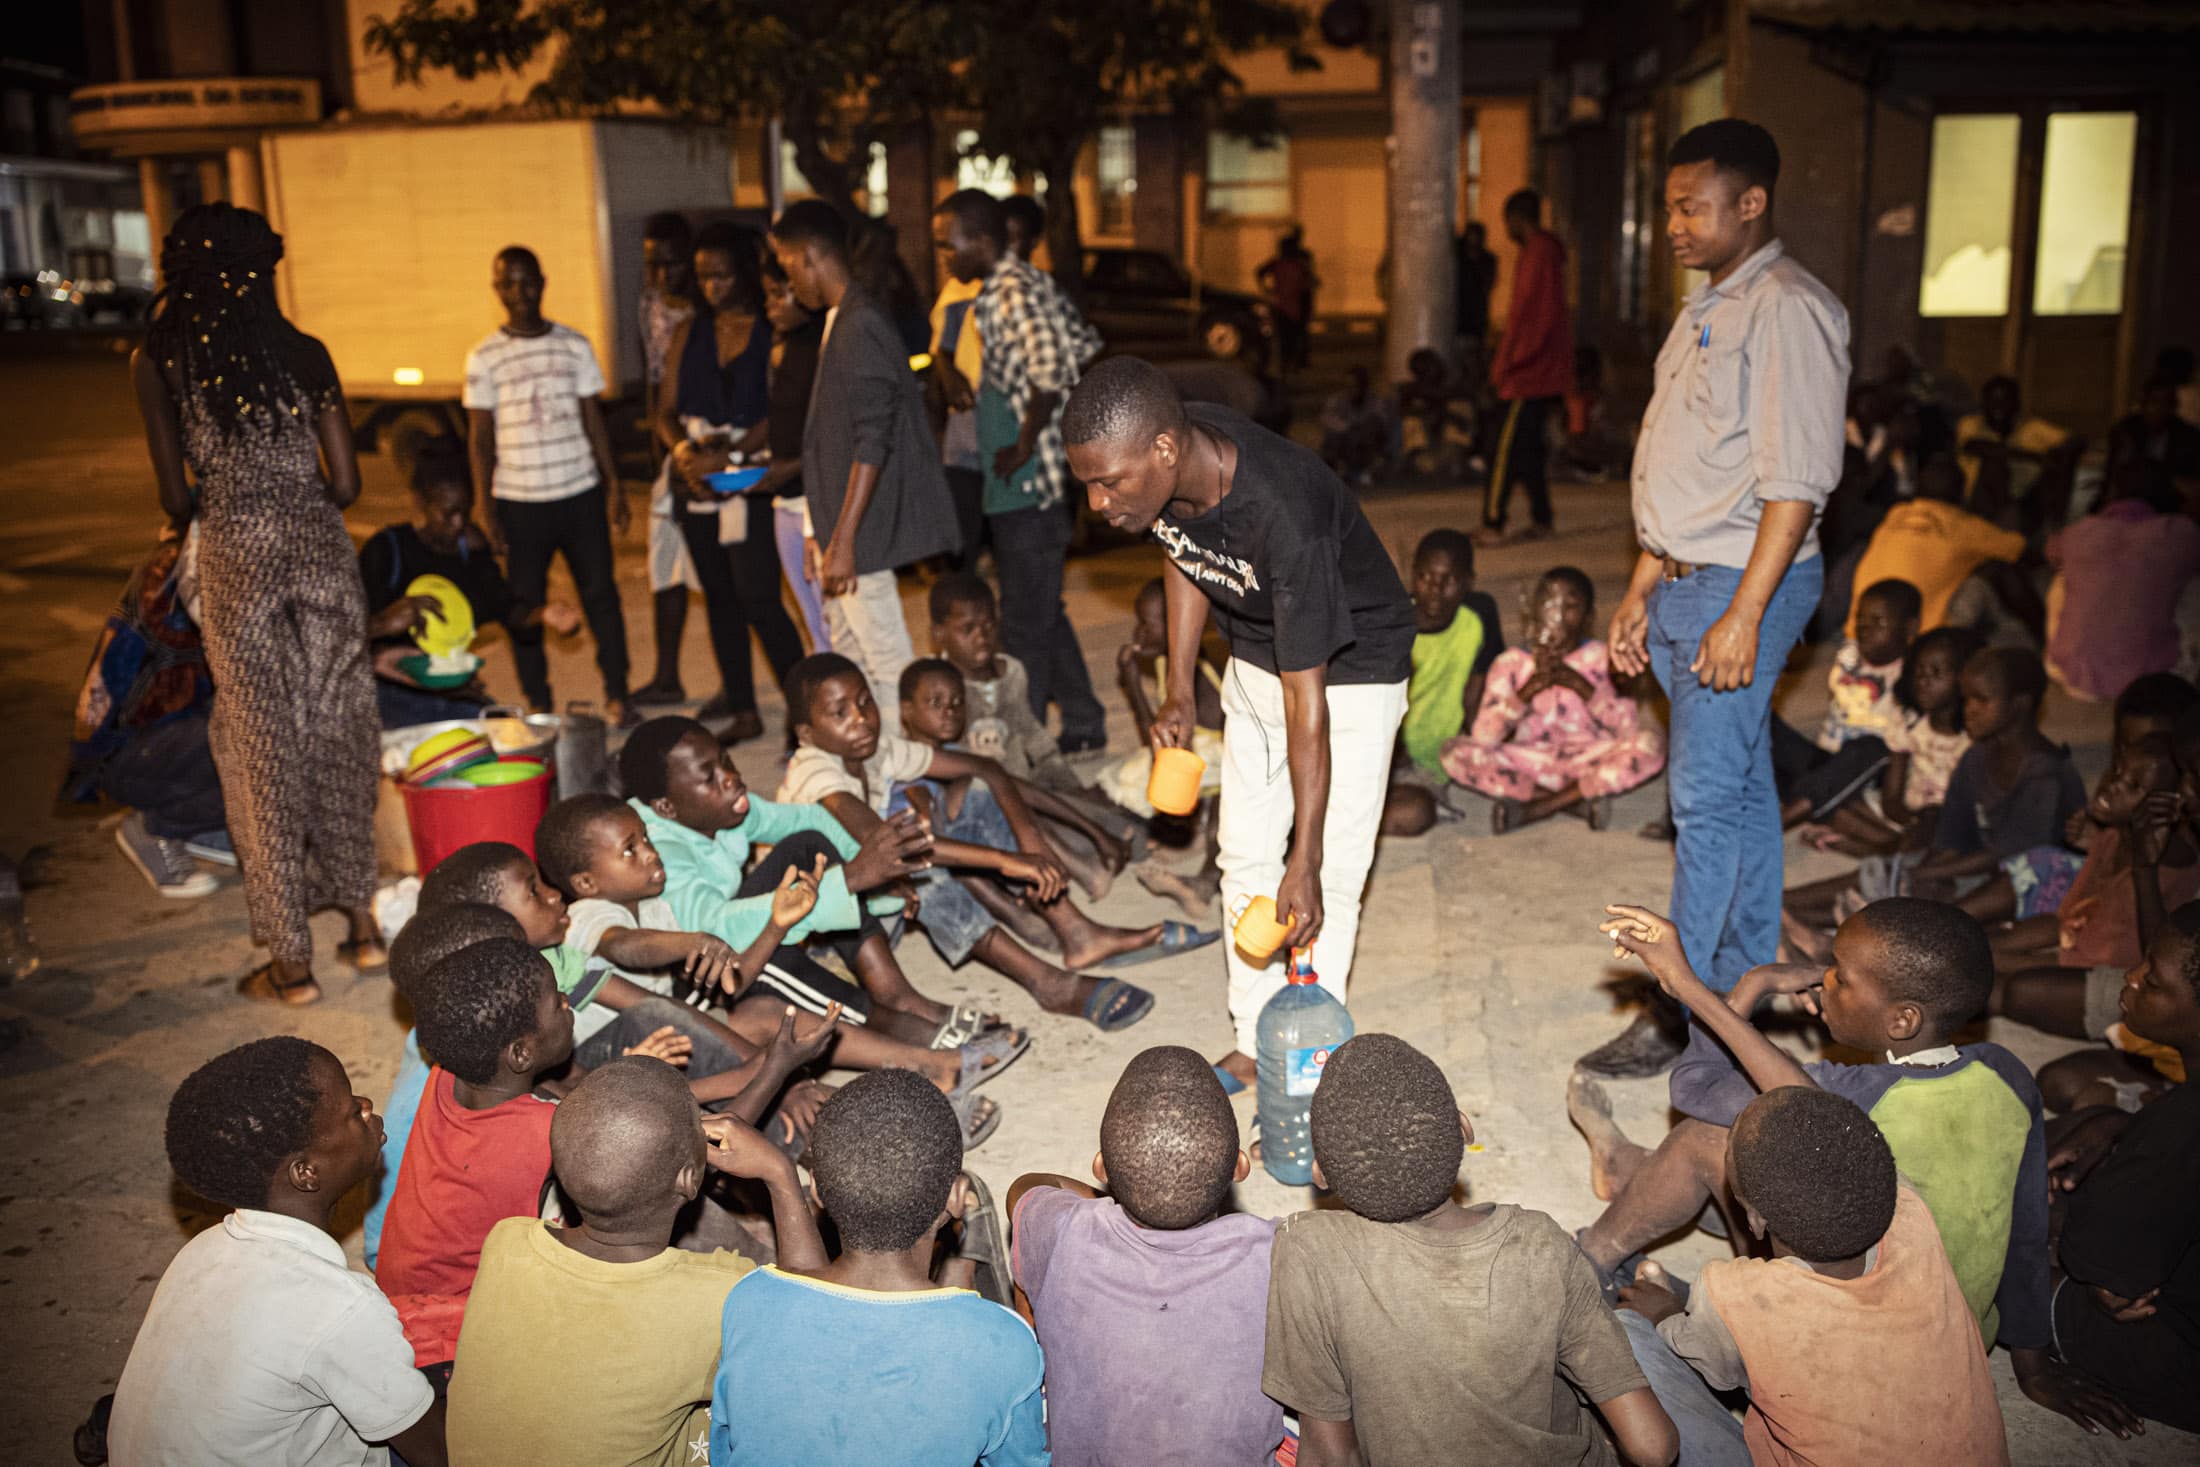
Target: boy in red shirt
(492, 1016)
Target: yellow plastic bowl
(450, 626)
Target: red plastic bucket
(442, 820)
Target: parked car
(1141, 300)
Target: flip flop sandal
(1176, 937)
(984, 1242)
(279, 992)
(1116, 1005)
(1231, 1084)
(966, 1023)
(975, 1129)
(350, 948)
(1000, 1046)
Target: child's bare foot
(1612, 1157)
(1802, 941)
(1096, 944)
(1195, 894)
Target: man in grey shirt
(1740, 447)
(878, 498)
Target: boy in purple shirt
(1151, 1303)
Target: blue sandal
(1176, 937)
(1116, 1005)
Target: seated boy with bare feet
(1404, 1327)
(597, 848)
(1003, 726)
(935, 711)
(1554, 734)
(633, 1158)
(861, 776)
(1964, 1121)
(868, 1358)
(1852, 1340)
(1142, 672)
(261, 1343)
(1150, 1301)
(705, 826)
(1457, 636)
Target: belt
(1677, 570)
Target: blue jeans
(1710, 1436)
(787, 532)
(951, 916)
(166, 773)
(1726, 810)
(1029, 546)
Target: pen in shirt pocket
(1704, 340)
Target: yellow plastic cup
(1259, 936)
(1173, 787)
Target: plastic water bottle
(1299, 1029)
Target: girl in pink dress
(1553, 733)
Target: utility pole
(1424, 178)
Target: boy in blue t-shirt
(1964, 1120)
(893, 1367)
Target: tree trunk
(1065, 239)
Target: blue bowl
(735, 481)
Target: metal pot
(516, 733)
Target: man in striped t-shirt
(541, 454)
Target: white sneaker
(161, 861)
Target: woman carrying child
(1553, 733)
(716, 400)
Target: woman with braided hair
(251, 404)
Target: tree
(1040, 76)
(839, 74)
(1047, 74)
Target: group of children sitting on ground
(569, 1280)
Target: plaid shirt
(1034, 340)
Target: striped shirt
(534, 385)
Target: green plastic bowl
(503, 771)
(416, 668)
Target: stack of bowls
(446, 754)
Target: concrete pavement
(1481, 951)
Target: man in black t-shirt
(1321, 643)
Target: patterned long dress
(1516, 750)
(293, 724)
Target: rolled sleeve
(1799, 358)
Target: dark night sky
(49, 32)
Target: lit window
(1117, 167)
(2085, 214)
(1247, 181)
(997, 176)
(1970, 209)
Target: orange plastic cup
(1173, 787)
(1258, 934)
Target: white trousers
(868, 629)
(1257, 808)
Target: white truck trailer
(389, 230)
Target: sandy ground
(1481, 951)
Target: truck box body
(389, 232)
